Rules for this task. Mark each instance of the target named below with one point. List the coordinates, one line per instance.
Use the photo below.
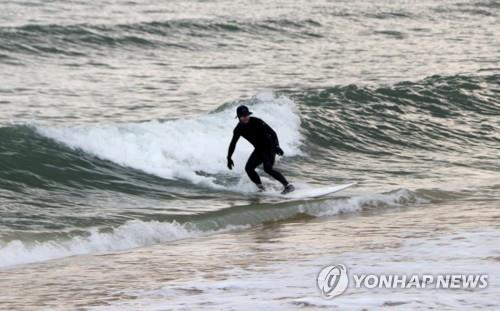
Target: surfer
(266, 144)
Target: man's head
(243, 114)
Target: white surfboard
(311, 192)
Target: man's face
(245, 119)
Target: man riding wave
(266, 144)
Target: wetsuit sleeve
(268, 130)
(234, 140)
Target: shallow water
(274, 265)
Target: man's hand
(230, 163)
(279, 151)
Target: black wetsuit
(265, 141)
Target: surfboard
(309, 193)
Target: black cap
(242, 111)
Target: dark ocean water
(116, 115)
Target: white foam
(132, 234)
(358, 202)
(136, 233)
(177, 149)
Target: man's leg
(268, 160)
(253, 161)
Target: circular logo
(332, 280)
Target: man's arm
(232, 146)
(269, 131)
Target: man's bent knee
(249, 169)
(268, 168)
